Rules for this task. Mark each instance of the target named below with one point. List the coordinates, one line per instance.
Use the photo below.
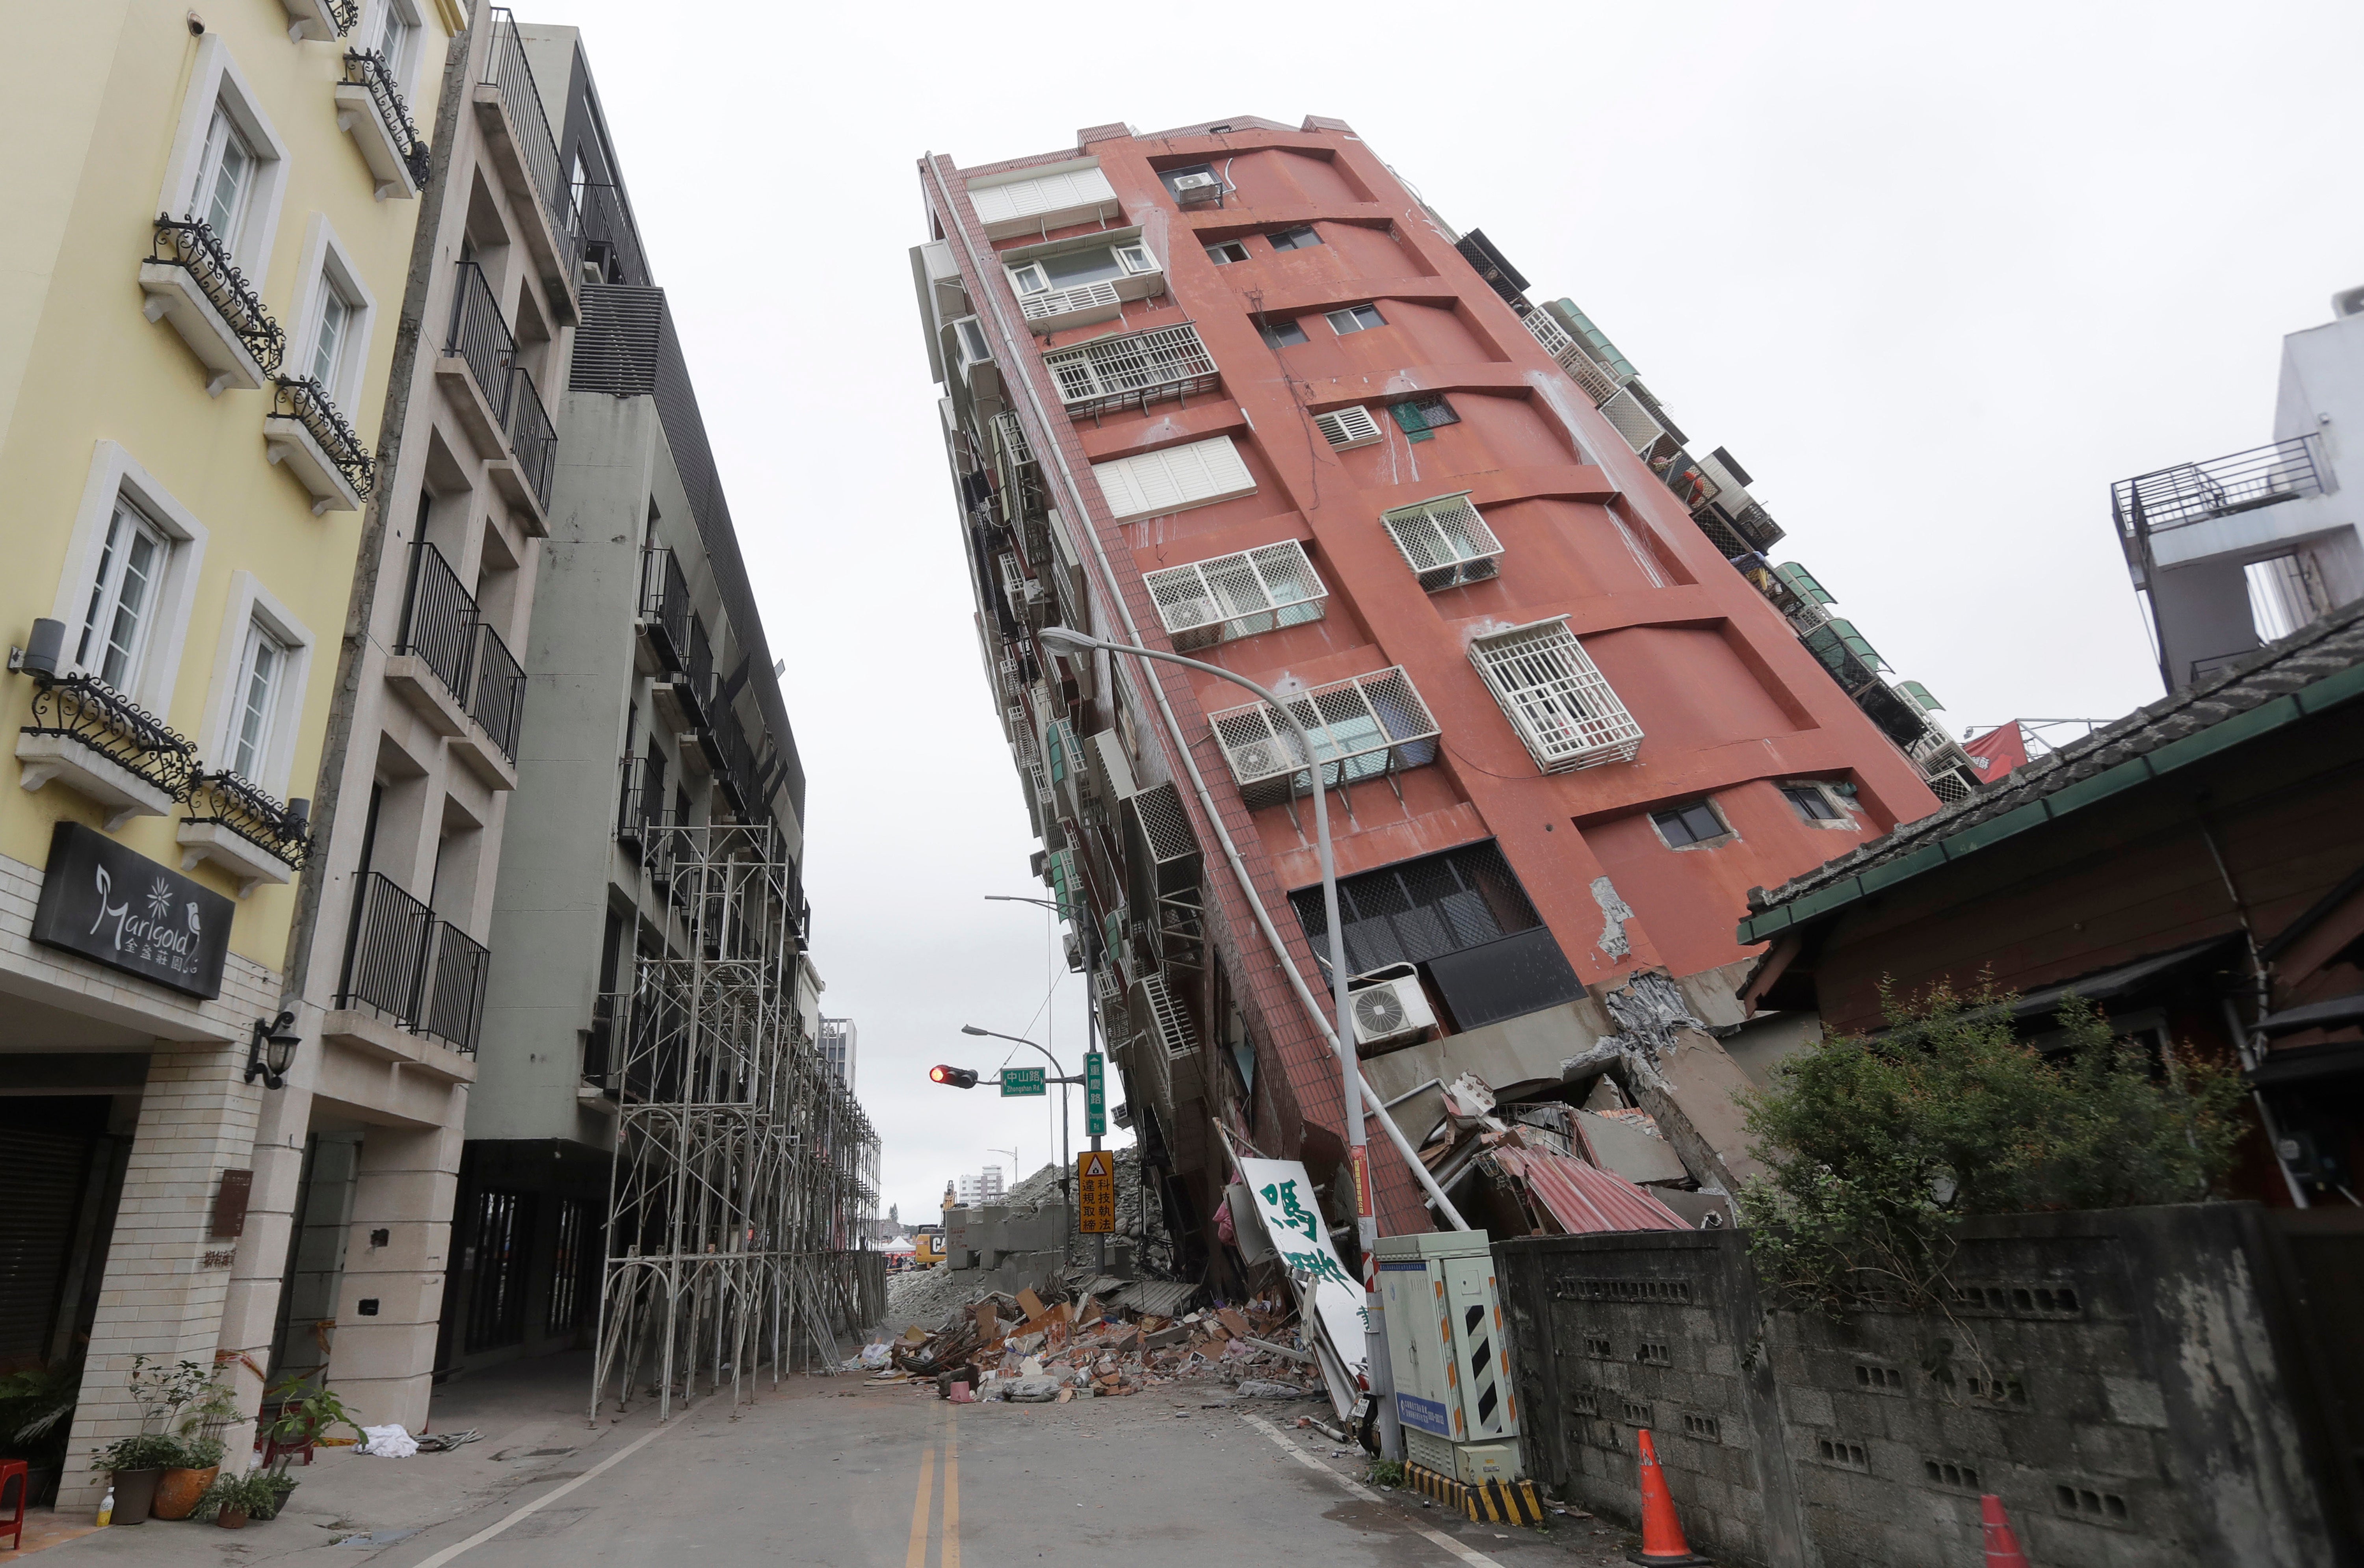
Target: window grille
(1231, 596)
(1633, 421)
(1167, 1022)
(1598, 383)
(1137, 367)
(1422, 418)
(1554, 697)
(1351, 427)
(1075, 301)
(1362, 728)
(1445, 541)
(1012, 437)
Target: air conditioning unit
(1075, 953)
(1191, 189)
(1350, 426)
(1388, 1006)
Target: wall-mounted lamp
(273, 1052)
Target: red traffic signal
(958, 1077)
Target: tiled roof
(2314, 668)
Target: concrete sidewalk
(532, 1417)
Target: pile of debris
(1076, 1346)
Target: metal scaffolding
(744, 1193)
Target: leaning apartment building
(1234, 390)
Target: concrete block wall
(2115, 1378)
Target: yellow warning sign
(1096, 1192)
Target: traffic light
(957, 1078)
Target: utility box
(1450, 1355)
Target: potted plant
(306, 1416)
(37, 1407)
(232, 1500)
(279, 1484)
(185, 1481)
(135, 1463)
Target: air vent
(1345, 427)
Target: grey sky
(1934, 275)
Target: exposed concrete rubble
(1014, 1244)
(1669, 1064)
(1070, 1342)
(1537, 1169)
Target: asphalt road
(866, 1476)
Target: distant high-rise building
(837, 1048)
(986, 1186)
(2232, 552)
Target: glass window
(1299, 239)
(260, 669)
(1694, 824)
(1421, 909)
(329, 343)
(1813, 802)
(1356, 318)
(1070, 269)
(225, 179)
(122, 598)
(1228, 252)
(1284, 334)
(395, 33)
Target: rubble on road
(1070, 1343)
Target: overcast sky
(1935, 276)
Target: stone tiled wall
(2113, 1377)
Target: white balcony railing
(1139, 367)
(1083, 299)
(1598, 383)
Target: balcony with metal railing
(191, 282)
(663, 616)
(1132, 369)
(517, 132)
(97, 742)
(608, 235)
(640, 799)
(2191, 493)
(455, 671)
(370, 109)
(483, 374)
(251, 836)
(1598, 383)
(412, 968)
(305, 434)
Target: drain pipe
(1305, 996)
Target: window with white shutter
(1554, 697)
(1176, 479)
(1044, 199)
(1231, 596)
(1350, 426)
(1445, 541)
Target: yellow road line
(952, 1487)
(916, 1555)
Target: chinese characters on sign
(1018, 1082)
(1291, 1209)
(1095, 1094)
(1096, 1193)
(123, 910)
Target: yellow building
(212, 215)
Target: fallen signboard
(1330, 1299)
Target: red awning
(1585, 1198)
(1998, 751)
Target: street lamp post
(1091, 1037)
(1067, 1171)
(1367, 1224)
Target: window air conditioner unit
(1388, 1006)
(1075, 953)
(1193, 188)
(1348, 427)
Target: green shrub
(254, 1492)
(148, 1450)
(1873, 1149)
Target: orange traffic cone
(2003, 1546)
(1662, 1545)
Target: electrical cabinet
(1450, 1355)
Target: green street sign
(1095, 1094)
(1020, 1081)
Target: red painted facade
(1730, 704)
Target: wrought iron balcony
(102, 744)
(525, 139)
(389, 138)
(190, 279)
(2192, 492)
(610, 239)
(410, 966)
(1133, 370)
(640, 799)
(734, 759)
(531, 435)
(312, 439)
(235, 805)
